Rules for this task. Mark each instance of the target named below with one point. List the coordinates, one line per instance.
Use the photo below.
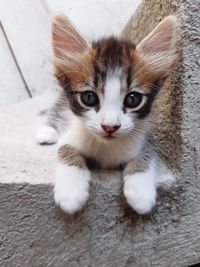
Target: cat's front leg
(139, 184)
(71, 190)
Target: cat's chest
(106, 154)
(110, 155)
(110, 158)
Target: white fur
(71, 189)
(112, 105)
(140, 189)
(47, 135)
(111, 108)
(108, 154)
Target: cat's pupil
(133, 100)
(89, 98)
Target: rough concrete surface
(34, 233)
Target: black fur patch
(75, 106)
(145, 110)
(74, 103)
(112, 53)
(129, 77)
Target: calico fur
(113, 131)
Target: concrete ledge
(107, 233)
(34, 233)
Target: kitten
(109, 87)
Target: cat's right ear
(68, 44)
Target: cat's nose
(110, 129)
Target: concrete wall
(34, 233)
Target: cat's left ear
(159, 47)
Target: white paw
(140, 190)
(71, 190)
(47, 136)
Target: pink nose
(110, 129)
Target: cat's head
(111, 83)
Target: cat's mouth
(109, 137)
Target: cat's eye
(89, 98)
(133, 100)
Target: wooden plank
(12, 88)
(27, 26)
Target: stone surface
(34, 233)
(107, 233)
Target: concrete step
(34, 233)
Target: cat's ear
(159, 47)
(68, 44)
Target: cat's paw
(140, 192)
(47, 136)
(71, 190)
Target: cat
(105, 110)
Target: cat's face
(111, 84)
(113, 100)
